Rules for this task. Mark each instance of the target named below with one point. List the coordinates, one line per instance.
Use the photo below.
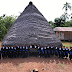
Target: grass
(61, 65)
(69, 44)
(19, 66)
(57, 68)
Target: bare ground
(25, 64)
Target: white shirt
(26, 47)
(11, 47)
(15, 48)
(66, 48)
(48, 47)
(44, 47)
(3, 47)
(63, 48)
(35, 46)
(59, 48)
(30, 46)
(38, 47)
(6, 47)
(51, 47)
(56, 48)
(23, 47)
(20, 47)
(69, 49)
(41, 48)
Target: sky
(50, 9)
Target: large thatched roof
(31, 28)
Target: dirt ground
(42, 64)
(26, 64)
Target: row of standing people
(23, 51)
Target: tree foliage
(5, 24)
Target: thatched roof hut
(31, 28)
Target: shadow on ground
(17, 61)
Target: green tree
(58, 22)
(51, 24)
(64, 17)
(5, 24)
(68, 24)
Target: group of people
(44, 51)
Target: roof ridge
(31, 8)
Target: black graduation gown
(63, 53)
(3, 52)
(20, 52)
(60, 52)
(45, 52)
(30, 53)
(35, 53)
(26, 51)
(70, 55)
(52, 51)
(67, 51)
(6, 52)
(42, 51)
(48, 51)
(18, 49)
(56, 51)
(9, 54)
(39, 51)
(14, 52)
(11, 51)
(23, 52)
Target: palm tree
(67, 6)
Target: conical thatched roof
(31, 28)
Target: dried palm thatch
(31, 28)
